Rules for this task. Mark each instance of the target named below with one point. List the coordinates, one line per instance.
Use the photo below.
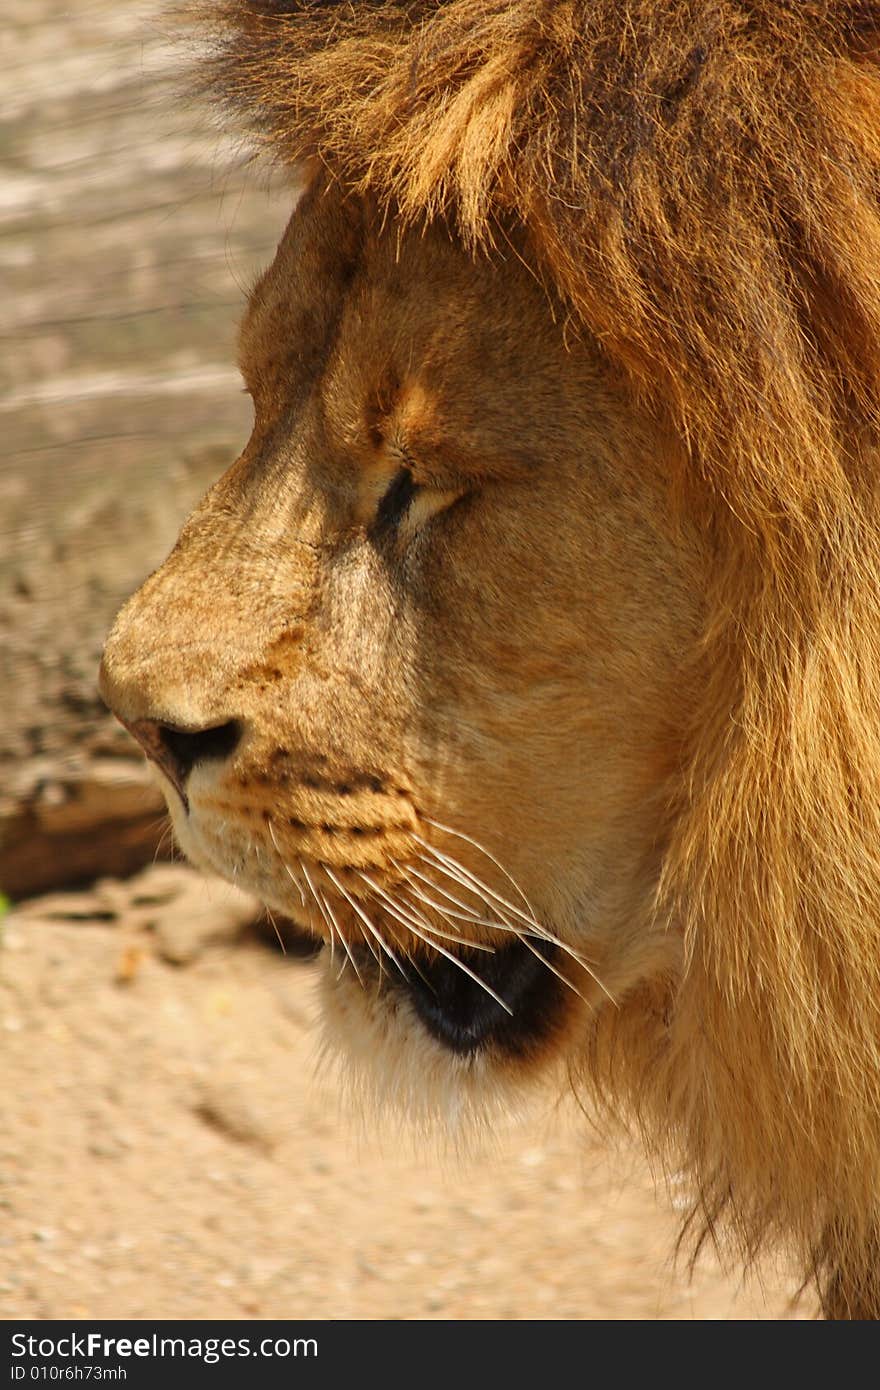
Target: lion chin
(529, 654)
(450, 1073)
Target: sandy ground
(168, 1150)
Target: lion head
(527, 658)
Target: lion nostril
(177, 751)
(190, 748)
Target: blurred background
(128, 225)
(167, 1148)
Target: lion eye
(396, 499)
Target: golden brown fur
(669, 215)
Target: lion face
(418, 670)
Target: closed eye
(396, 499)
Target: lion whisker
(500, 914)
(554, 969)
(373, 930)
(286, 866)
(495, 902)
(406, 913)
(446, 864)
(496, 923)
(435, 945)
(460, 835)
(408, 955)
(167, 832)
(455, 937)
(322, 901)
(268, 912)
(419, 932)
(466, 914)
(465, 968)
(482, 888)
(327, 913)
(314, 894)
(527, 941)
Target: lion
(528, 658)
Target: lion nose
(177, 751)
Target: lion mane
(700, 183)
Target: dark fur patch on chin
(457, 1010)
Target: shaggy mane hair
(699, 181)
